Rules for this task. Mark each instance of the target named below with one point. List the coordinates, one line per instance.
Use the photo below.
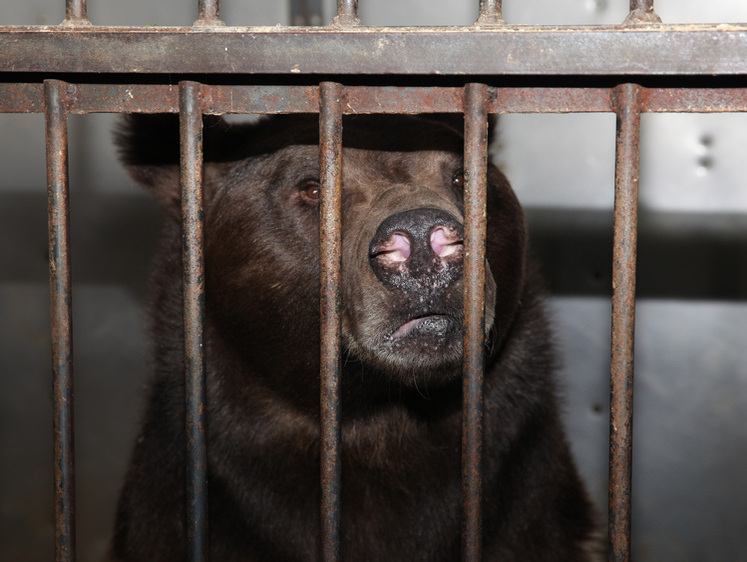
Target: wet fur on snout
(401, 407)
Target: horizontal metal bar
(693, 100)
(156, 98)
(480, 50)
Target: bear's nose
(419, 249)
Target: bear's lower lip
(431, 324)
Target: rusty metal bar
(491, 13)
(190, 125)
(347, 13)
(61, 297)
(475, 197)
(157, 98)
(672, 50)
(330, 157)
(642, 12)
(209, 9)
(693, 100)
(627, 101)
(76, 13)
(209, 13)
(641, 5)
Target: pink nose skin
(445, 241)
(396, 249)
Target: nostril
(445, 241)
(418, 252)
(396, 248)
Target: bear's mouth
(426, 345)
(425, 325)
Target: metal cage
(492, 67)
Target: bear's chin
(423, 351)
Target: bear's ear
(149, 149)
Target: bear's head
(402, 242)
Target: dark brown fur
(401, 401)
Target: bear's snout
(418, 251)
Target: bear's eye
(458, 179)
(310, 190)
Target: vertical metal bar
(76, 13)
(209, 13)
(475, 197)
(491, 12)
(190, 125)
(330, 157)
(642, 12)
(627, 101)
(347, 13)
(60, 286)
(641, 5)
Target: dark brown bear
(402, 355)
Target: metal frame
(60, 288)
(190, 125)
(632, 50)
(330, 154)
(497, 68)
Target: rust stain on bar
(475, 197)
(209, 13)
(330, 155)
(550, 100)
(61, 298)
(693, 100)
(76, 13)
(158, 98)
(635, 50)
(347, 14)
(412, 100)
(627, 100)
(190, 121)
(261, 99)
(642, 5)
(642, 13)
(491, 13)
(125, 98)
(22, 98)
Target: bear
(401, 346)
